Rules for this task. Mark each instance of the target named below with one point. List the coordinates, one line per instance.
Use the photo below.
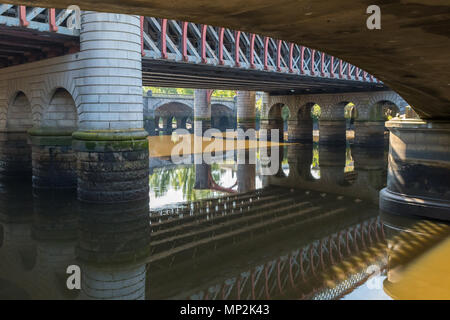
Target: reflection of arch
(383, 110)
(19, 117)
(61, 111)
(221, 116)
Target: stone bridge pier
(246, 109)
(76, 121)
(111, 142)
(202, 111)
(419, 169)
(368, 110)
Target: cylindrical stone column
(271, 122)
(167, 125)
(202, 111)
(419, 169)
(369, 133)
(332, 125)
(111, 143)
(246, 109)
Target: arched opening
(54, 162)
(350, 116)
(172, 116)
(15, 151)
(19, 113)
(61, 112)
(383, 111)
(221, 117)
(371, 131)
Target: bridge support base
(369, 133)
(419, 169)
(332, 132)
(15, 155)
(53, 160)
(112, 165)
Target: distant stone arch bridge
(164, 113)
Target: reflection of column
(202, 110)
(114, 244)
(273, 153)
(16, 214)
(332, 164)
(370, 164)
(54, 161)
(246, 109)
(202, 173)
(419, 169)
(55, 229)
(369, 158)
(300, 159)
(246, 173)
(301, 128)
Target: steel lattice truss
(41, 19)
(296, 269)
(185, 42)
(202, 44)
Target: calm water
(225, 231)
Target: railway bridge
(76, 95)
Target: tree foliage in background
(187, 92)
(181, 178)
(315, 112)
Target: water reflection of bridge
(292, 247)
(252, 245)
